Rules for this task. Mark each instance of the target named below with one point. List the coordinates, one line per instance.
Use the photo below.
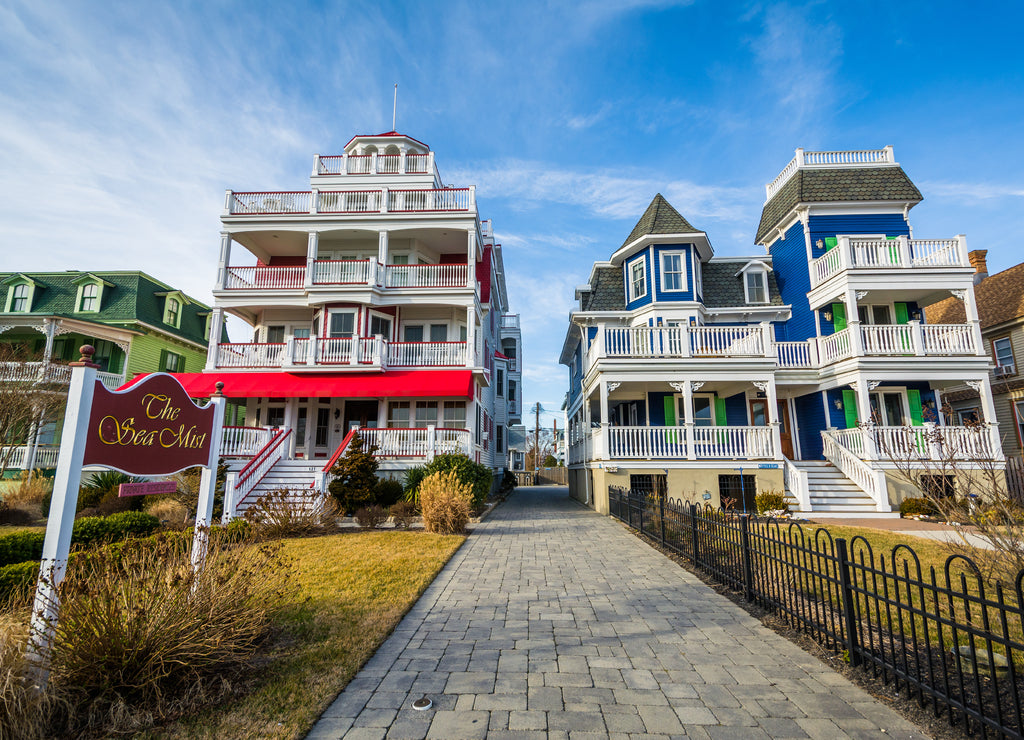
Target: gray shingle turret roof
(837, 185)
(606, 291)
(660, 218)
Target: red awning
(393, 384)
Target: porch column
(382, 256)
(470, 336)
(604, 403)
(471, 257)
(971, 311)
(864, 415)
(771, 395)
(691, 449)
(213, 343)
(312, 410)
(51, 330)
(225, 259)
(853, 323)
(28, 460)
(312, 245)
(290, 415)
(988, 411)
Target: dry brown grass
(28, 489)
(170, 511)
(446, 503)
(297, 513)
(24, 711)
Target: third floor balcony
(853, 254)
(341, 273)
(341, 203)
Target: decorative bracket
(696, 385)
(975, 385)
(761, 385)
(678, 386)
(872, 384)
(861, 294)
(613, 386)
(959, 293)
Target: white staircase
(833, 495)
(290, 474)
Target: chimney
(977, 258)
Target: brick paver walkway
(554, 622)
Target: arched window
(19, 302)
(90, 293)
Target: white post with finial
(394, 109)
(208, 482)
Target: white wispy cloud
(978, 191)
(585, 121)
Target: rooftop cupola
(390, 153)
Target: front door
(759, 418)
(362, 414)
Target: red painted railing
(256, 469)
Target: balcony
(927, 442)
(360, 353)
(374, 164)
(50, 372)
(687, 442)
(417, 443)
(643, 342)
(852, 253)
(369, 273)
(819, 160)
(898, 340)
(350, 202)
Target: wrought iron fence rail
(951, 645)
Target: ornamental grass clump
(292, 513)
(141, 640)
(445, 502)
(25, 712)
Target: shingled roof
(724, 289)
(837, 185)
(660, 218)
(1000, 298)
(606, 292)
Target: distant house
(1000, 300)
(807, 367)
(137, 324)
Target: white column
(691, 449)
(971, 311)
(471, 258)
(291, 412)
(853, 323)
(864, 417)
(213, 343)
(225, 259)
(603, 385)
(471, 336)
(51, 330)
(382, 247)
(916, 337)
(772, 397)
(312, 245)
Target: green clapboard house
(137, 324)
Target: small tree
(30, 393)
(354, 476)
(550, 461)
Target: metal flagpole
(394, 109)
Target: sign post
(152, 428)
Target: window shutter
(720, 418)
(163, 361)
(902, 315)
(914, 401)
(850, 408)
(180, 364)
(839, 316)
(670, 411)
(831, 242)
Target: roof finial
(394, 109)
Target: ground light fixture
(423, 703)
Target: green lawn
(353, 589)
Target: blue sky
(121, 124)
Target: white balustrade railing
(113, 381)
(359, 164)
(881, 253)
(342, 272)
(933, 443)
(852, 158)
(244, 441)
(363, 164)
(887, 339)
(796, 482)
(735, 443)
(835, 347)
(397, 442)
(875, 253)
(334, 351)
(722, 442)
(677, 341)
(647, 442)
(238, 487)
(948, 339)
(349, 201)
(510, 321)
(851, 439)
(939, 253)
(794, 354)
(34, 372)
(426, 354)
(389, 164)
(727, 341)
(270, 203)
(827, 265)
(251, 354)
(264, 278)
(439, 199)
(869, 480)
(16, 457)
(417, 163)
(452, 442)
(425, 276)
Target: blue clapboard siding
(789, 261)
(890, 224)
(646, 257)
(736, 410)
(811, 422)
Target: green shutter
(894, 250)
(850, 408)
(839, 316)
(720, 419)
(831, 242)
(670, 411)
(163, 361)
(914, 401)
(902, 315)
(179, 365)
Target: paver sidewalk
(555, 622)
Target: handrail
(866, 478)
(260, 457)
(337, 453)
(795, 480)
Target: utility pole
(554, 437)
(536, 436)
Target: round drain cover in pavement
(422, 703)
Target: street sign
(147, 489)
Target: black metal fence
(948, 640)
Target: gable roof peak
(660, 218)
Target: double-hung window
(19, 301)
(90, 293)
(757, 288)
(343, 324)
(637, 279)
(673, 271)
(1003, 351)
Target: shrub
(387, 492)
(44, 505)
(402, 514)
(284, 513)
(476, 476)
(91, 530)
(17, 580)
(411, 483)
(169, 511)
(16, 514)
(355, 476)
(141, 640)
(446, 503)
(917, 507)
(101, 486)
(371, 517)
(770, 501)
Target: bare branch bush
(31, 392)
(293, 513)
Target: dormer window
(673, 271)
(173, 314)
(19, 298)
(637, 279)
(90, 294)
(755, 281)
